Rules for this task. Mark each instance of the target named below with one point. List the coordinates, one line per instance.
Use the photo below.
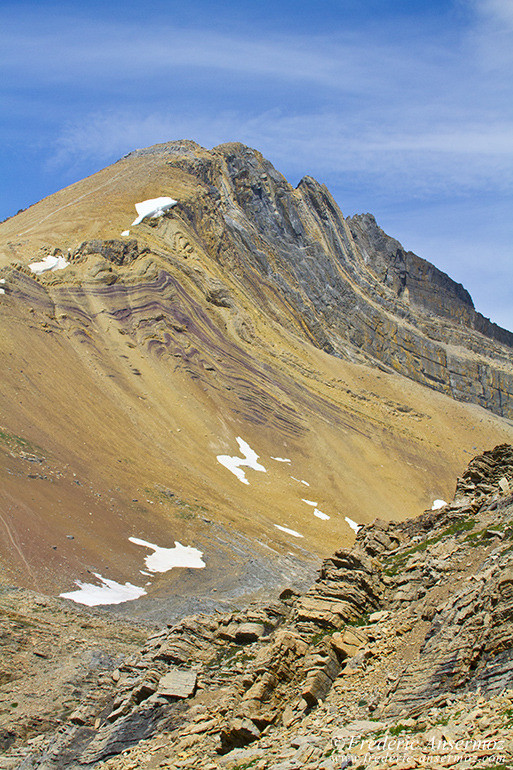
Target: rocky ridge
(407, 637)
(250, 310)
(342, 284)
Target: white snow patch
(301, 481)
(143, 572)
(2, 291)
(154, 207)
(164, 559)
(281, 459)
(125, 233)
(108, 593)
(321, 515)
(48, 263)
(2, 280)
(249, 460)
(288, 531)
(309, 502)
(356, 527)
(437, 504)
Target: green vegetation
(245, 765)
(508, 715)
(363, 620)
(316, 638)
(11, 441)
(399, 560)
(399, 729)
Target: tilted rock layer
(409, 635)
(249, 310)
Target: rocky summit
(201, 401)
(212, 380)
(399, 655)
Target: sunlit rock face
(248, 311)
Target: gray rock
(177, 684)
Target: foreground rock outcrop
(407, 637)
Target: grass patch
(508, 714)
(18, 443)
(320, 636)
(361, 621)
(400, 559)
(399, 729)
(245, 765)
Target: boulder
(238, 733)
(177, 683)
(249, 632)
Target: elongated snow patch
(249, 460)
(309, 502)
(356, 527)
(437, 504)
(164, 559)
(108, 593)
(288, 531)
(321, 515)
(48, 263)
(281, 459)
(154, 207)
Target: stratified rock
(249, 632)
(239, 732)
(177, 683)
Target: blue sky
(404, 109)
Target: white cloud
(498, 12)
(451, 156)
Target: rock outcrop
(410, 631)
(355, 290)
(342, 283)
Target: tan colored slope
(99, 206)
(133, 388)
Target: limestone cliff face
(354, 290)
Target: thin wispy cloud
(394, 110)
(455, 157)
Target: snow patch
(249, 460)
(48, 263)
(356, 527)
(108, 593)
(125, 233)
(300, 481)
(321, 515)
(281, 459)
(437, 504)
(288, 531)
(164, 559)
(2, 291)
(154, 207)
(309, 502)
